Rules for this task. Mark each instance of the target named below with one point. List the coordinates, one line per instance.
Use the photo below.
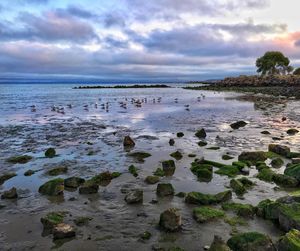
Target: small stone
(128, 142)
(29, 172)
(277, 163)
(164, 189)
(201, 133)
(168, 167)
(171, 142)
(134, 196)
(292, 131)
(53, 187)
(238, 125)
(50, 152)
(170, 220)
(89, 187)
(62, 231)
(10, 194)
(152, 179)
(180, 134)
(73, 182)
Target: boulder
(50, 153)
(292, 131)
(10, 194)
(52, 187)
(218, 244)
(134, 196)
(62, 231)
(89, 187)
(128, 142)
(168, 167)
(277, 163)
(201, 133)
(293, 171)
(164, 189)
(279, 149)
(73, 182)
(238, 124)
(290, 241)
(252, 157)
(251, 241)
(170, 219)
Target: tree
(273, 62)
(297, 71)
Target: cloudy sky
(144, 40)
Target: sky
(157, 40)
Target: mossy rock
(202, 171)
(180, 134)
(181, 194)
(57, 171)
(140, 156)
(159, 172)
(293, 171)
(29, 172)
(176, 155)
(82, 221)
(239, 164)
(115, 175)
(202, 143)
(213, 148)
(164, 189)
(52, 219)
(205, 214)
(277, 163)
(227, 157)
(201, 133)
(23, 159)
(292, 131)
(133, 170)
(89, 187)
(237, 187)
(251, 241)
(246, 182)
(230, 171)
(266, 174)
(6, 177)
(145, 236)
(152, 179)
(207, 199)
(73, 182)
(252, 157)
(290, 241)
(50, 152)
(244, 210)
(293, 155)
(285, 181)
(52, 187)
(238, 124)
(279, 149)
(168, 167)
(218, 245)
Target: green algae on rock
(290, 241)
(52, 187)
(207, 199)
(277, 163)
(244, 210)
(6, 177)
(133, 170)
(218, 245)
(201, 133)
(52, 219)
(237, 187)
(252, 157)
(57, 171)
(89, 187)
(50, 152)
(140, 156)
(73, 182)
(168, 167)
(205, 214)
(164, 189)
(170, 220)
(22, 159)
(159, 172)
(176, 155)
(152, 179)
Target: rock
(237, 187)
(180, 134)
(293, 171)
(277, 163)
(82, 221)
(176, 155)
(10, 194)
(227, 157)
(292, 131)
(223, 196)
(207, 199)
(171, 142)
(50, 153)
(133, 170)
(53, 187)
(218, 244)
(152, 179)
(202, 143)
(290, 241)
(6, 177)
(52, 219)
(181, 194)
(128, 142)
(164, 189)
(252, 157)
(238, 124)
(62, 231)
(89, 187)
(251, 241)
(296, 161)
(285, 180)
(145, 236)
(57, 171)
(73, 182)
(205, 214)
(265, 132)
(29, 172)
(19, 159)
(170, 220)
(140, 156)
(201, 134)
(159, 172)
(204, 172)
(245, 170)
(244, 210)
(279, 149)
(168, 167)
(134, 196)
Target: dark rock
(292, 131)
(50, 153)
(180, 134)
(29, 172)
(238, 125)
(10, 194)
(73, 182)
(218, 244)
(252, 157)
(152, 179)
(89, 187)
(62, 231)
(170, 220)
(134, 196)
(19, 159)
(6, 177)
(176, 155)
(164, 189)
(52, 187)
(277, 163)
(279, 149)
(171, 142)
(201, 134)
(168, 167)
(57, 171)
(128, 142)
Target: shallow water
(85, 127)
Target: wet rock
(293, 171)
(29, 172)
(89, 187)
(292, 131)
(164, 189)
(265, 132)
(244, 210)
(140, 156)
(279, 149)
(152, 179)
(290, 241)
(52, 219)
(227, 157)
(296, 161)
(10, 194)
(277, 163)
(176, 155)
(128, 142)
(207, 199)
(170, 220)
(205, 214)
(145, 236)
(204, 172)
(19, 159)
(201, 133)
(180, 134)
(6, 177)
(237, 187)
(82, 221)
(168, 167)
(285, 180)
(134, 196)
(62, 231)
(251, 241)
(181, 194)
(159, 172)
(133, 170)
(238, 124)
(53, 187)
(57, 171)
(252, 157)
(202, 143)
(50, 152)
(171, 142)
(73, 182)
(218, 244)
